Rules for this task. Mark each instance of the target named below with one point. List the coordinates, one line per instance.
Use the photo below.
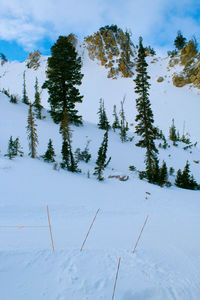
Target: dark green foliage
(13, 99)
(115, 124)
(180, 41)
(25, 99)
(14, 148)
(37, 103)
(185, 139)
(158, 175)
(32, 132)
(11, 150)
(132, 168)
(163, 174)
(68, 161)
(50, 153)
(101, 163)
(103, 120)
(172, 53)
(151, 50)
(173, 135)
(3, 59)
(185, 180)
(63, 77)
(145, 128)
(6, 92)
(17, 148)
(171, 171)
(123, 123)
(83, 155)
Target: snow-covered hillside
(166, 262)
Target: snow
(166, 262)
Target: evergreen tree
(185, 180)
(68, 160)
(83, 155)
(101, 163)
(145, 128)
(24, 95)
(11, 150)
(13, 99)
(50, 153)
(17, 147)
(103, 120)
(32, 132)
(14, 148)
(3, 59)
(172, 133)
(180, 41)
(115, 124)
(178, 180)
(37, 103)
(124, 125)
(163, 174)
(63, 77)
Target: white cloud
(29, 21)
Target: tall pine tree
(101, 163)
(103, 120)
(115, 124)
(63, 77)
(145, 128)
(24, 93)
(37, 103)
(32, 132)
(68, 160)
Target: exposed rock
(160, 79)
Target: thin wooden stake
(89, 229)
(140, 233)
(116, 279)
(50, 228)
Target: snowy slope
(166, 262)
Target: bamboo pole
(89, 230)
(140, 233)
(116, 278)
(50, 228)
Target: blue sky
(26, 25)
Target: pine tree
(11, 150)
(63, 77)
(50, 153)
(14, 148)
(17, 147)
(115, 124)
(68, 160)
(101, 163)
(37, 103)
(180, 41)
(13, 99)
(24, 95)
(124, 125)
(103, 120)
(163, 174)
(145, 128)
(178, 180)
(32, 132)
(172, 133)
(185, 180)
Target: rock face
(114, 49)
(160, 79)
(190, 59)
